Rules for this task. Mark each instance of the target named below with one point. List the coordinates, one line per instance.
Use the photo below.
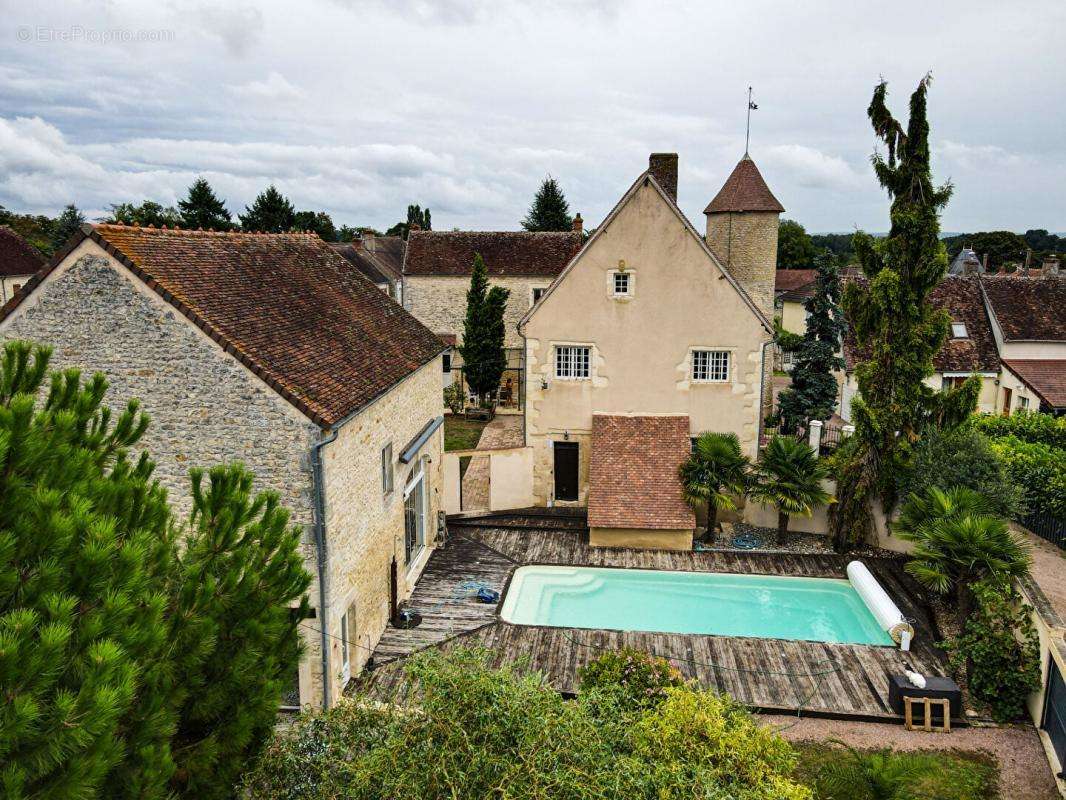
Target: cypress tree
(896, 326)
(203, 209)
(66, 225)
(550, 211)
(270, 213)
(813, 392)
(484, 359)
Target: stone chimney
(1051, 265)
(663, 167)
(579, 224)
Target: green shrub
(453, 398)
(1027, 426)
(1001, 645)
(504, 733)
(636, 679)
(1039, 469)
(963, 457)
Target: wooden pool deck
(766, 674)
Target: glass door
(414, 519)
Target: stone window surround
(388, 471)
(533, 293)
(631, 284)
(730, 365)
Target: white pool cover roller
(880, 604)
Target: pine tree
(203, 209)
(895, 325)
(484, 359)
(813, 392)
(85, 548)
(66, 225)
(270, 213)
(550, 211)
(240, 572)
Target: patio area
(772, 675)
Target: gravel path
(1049, 570)
(504, 431)
(1024, 770)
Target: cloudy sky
(360, 107)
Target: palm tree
(715, 475)
(788, 476)
(877, 775)
(958, 541)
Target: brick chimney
(663, 167)
(579, 224)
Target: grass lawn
(938, 775)
(461, 433)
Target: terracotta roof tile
(506, 253)
(17, 256)
(286, 305)
(1045, 377)
(1028, 309)
(380, 258)
(633, 467)
(798, 284)
(744, 190)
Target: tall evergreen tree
(415, 216)
(895, 325)
(813, 392)
(270, 213)
(550, 211)
(66, 225)
(484, 359)
(202, 208)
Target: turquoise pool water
(722, 604)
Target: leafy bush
(482, 732)
(453, 398)
(1039, 469)
(636, 679)
(1027, 426)
(963, 457)
(1001, 646)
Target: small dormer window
(958, 330)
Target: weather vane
(747, 135)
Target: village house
(18, 262)
(436, 276)
(379, 258)
(271, 350)
(651, 335)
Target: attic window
(622, 284)
(958, 330)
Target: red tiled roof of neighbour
(380, 258)
(633, 467)
(449, 339)
(797, 283)
(1046, 377)
(17, 256)
(285, 305)
(1028, 309)
(744, 190)
(506, 253)
(960, 297)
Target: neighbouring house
(651, 335)
(271, 350)
(379, 258)
(18, 262)
(792, 288)
(967, 263)
(436, 276)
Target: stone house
(651, 335)
(271, 350)
(18, 262)
(379, 258)
(436, 276)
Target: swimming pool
(721, 604)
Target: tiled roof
(797, 283)
(1045, 377)
(285, 305)
(506, 253)
(1028, 309)
(354, 254)
(633, 480)
(960, 297)
(744, 190)
(17, 256)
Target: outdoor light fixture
(544, 384)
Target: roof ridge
(198, 231)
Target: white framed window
(572, 361)
(958, 330)
(622, 284)
(414, 517)
(710, 366)
(538, 292)
(386, 469)
(346, 650)
(1023, 403)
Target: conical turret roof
(744, 190)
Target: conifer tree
(813, 392)
(66, 225)
(270, 213)
(895, 325)
(484, 359)
(550, 211)
(202, 208)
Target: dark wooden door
(566, 470)
(1055, 712)
(1007, 394)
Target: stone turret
(742, 224)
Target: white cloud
(274, 88)
(981, 156)
(238, 27)
(811, 168)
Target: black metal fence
(1046, 527)
(832, 436)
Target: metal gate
(1055, 713)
